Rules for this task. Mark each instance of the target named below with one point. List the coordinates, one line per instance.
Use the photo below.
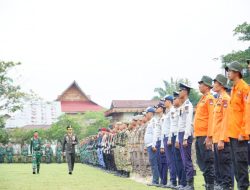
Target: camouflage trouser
(36, 160)
(117, 155)
(25, 159)
(127, 160)
(10, 158)
(59, 158)
(48, 159)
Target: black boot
(190, 185)
(210, 187)
(34, 171)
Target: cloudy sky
(116, 49)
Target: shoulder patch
(211, 101)
(225, 103)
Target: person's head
(160, 108)
(205, 84)
(168, 101)
(69, 129)
(35, 134)
(176, 100)
(134, 121)
(150, 113)
(220, 83)
(184, 91)
(234, 71)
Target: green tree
(173, 85)
(243, 33)
(10, 94)
(4, 136)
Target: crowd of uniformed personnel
(159, 142)
(7, 153)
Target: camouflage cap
(221, 79)
(207, 81)
(234, 66)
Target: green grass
(56, 177)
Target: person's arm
(64, 143)
(210, 108)
(31, 146)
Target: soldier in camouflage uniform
(137, 154)
(59, 153)
(36, 151)
(117, 148)
(9, 153)
(126, 164)
(131, 142)
(2, 153)
(48, 153)
(24, 153)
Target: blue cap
(150, 109)
(184, 87)
(160, 105)
(169, 97)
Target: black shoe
(34, 172)
(70, 173)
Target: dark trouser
(248, 145)
(205, 160)
(223, 166)
(154, 165)
(169, 151)
(112, 161)
(186, 156)
(239, 150)
(71, 161)
(105, 160)
(163, 166)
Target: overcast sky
(116, 49)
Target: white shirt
(165, 129)
(174, 117)
(148, 137)
(157, 130)
(185, 119)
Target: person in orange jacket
(247, 116)
(223, 162)
(235, 125)
(203, 132)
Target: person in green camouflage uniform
(25, 153)
(36, 151)
(2, 153)
(59, 153)
(9, 153)
(48, 154)
(117, 147)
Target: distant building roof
(79, 106)
(122, 106)
(74, 100)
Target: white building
(35, 113)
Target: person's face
(36, 134)
(176, 102)
(182, 93)
(70, 130)
(203, 88)
(159, 110)
(167, 104)
(232, 75)
(217, 86)
(149, 115)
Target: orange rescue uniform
(203, 119)
(247, 115)
(219, 118)
(237, 111)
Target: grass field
(55, 177)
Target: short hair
(35, 131)
(69, 126)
